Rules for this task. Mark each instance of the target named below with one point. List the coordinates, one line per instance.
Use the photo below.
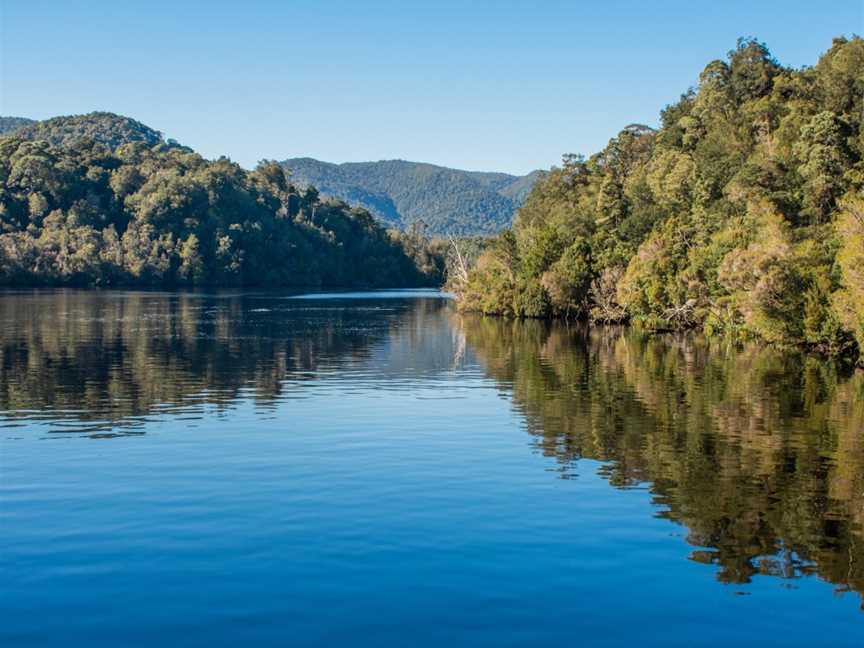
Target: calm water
(375, 469)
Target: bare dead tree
(682, 315)
(460, 267)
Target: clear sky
(504, 85)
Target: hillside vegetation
(742, 214)
(400, 193)
(12, 124)
(103, 200)
(101, 127)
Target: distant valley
(400, 193)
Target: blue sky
(506, 86)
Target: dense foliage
(74, 209)
(742, 214)
(400, 193)
(102, 127)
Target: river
(224, 468)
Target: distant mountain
(103, 127)
(399, 193)
(11, 124)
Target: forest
(449, 202)
(102, 200)
(741, 215)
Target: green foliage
(81, 211)
(824, 158)
(725, 218)
(103, 127)
(568, 281)
(752, 69)
(849, 300)
(531, 299)
(400, 193)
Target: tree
(824, 157)
(100, 201)
(849, 299)
(726, 218)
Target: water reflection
(104, 363)
(759, 453)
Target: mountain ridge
(398, 193)
(403, 192)
(11, 124)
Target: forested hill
(102, 127)
(11, 124)
(101, 199)
(742, 215)
(399, 193)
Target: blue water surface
(375, 469)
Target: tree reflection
(759, 453)
(111, 358)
